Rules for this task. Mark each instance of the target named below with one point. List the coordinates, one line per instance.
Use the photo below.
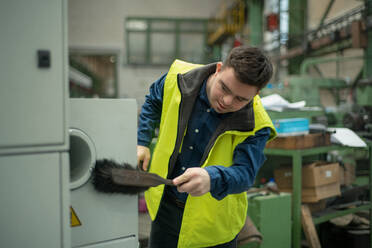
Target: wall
(97, 25)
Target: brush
(112, 177)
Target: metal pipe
(368, 49)
(255, 22)
(330, 4)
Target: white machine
(48, 143)
(102, 128)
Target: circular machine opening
(82, 158)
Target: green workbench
(297, 156)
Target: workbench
(297, 155)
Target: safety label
(74, 218)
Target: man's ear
(219, 66)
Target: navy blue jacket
(248, 156)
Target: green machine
(273, 223)
(310, 88)
(360, 118)
(329, 101)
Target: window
(93, 74)
(158, 41)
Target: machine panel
(102, 128)
(33, 201)
(33, 83)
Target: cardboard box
(314, 194)
(347, 174)
(301, 141)
(317, 206)
(314, 174)
(319, 180)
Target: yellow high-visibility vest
(206, 221)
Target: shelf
(297, 156)
(302, 152)
(334, 213)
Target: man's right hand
(143, 157)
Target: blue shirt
(248, 156)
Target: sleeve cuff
(215, 177)
(143, 143)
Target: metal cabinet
(33, 83)
(34, 159)
(34, 201)
(275, 226)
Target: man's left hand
(195, 181)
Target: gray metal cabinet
(34, 159)
(33, 94)
(34, 205)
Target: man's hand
(143, 157)
(195, 181)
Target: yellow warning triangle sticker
(74, 219)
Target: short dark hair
(250, 64)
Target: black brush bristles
(102, 178)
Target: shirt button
(191, 147)
(183, 168)
(208, 110)
(196, 130)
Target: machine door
(33, 81)
(34, 204)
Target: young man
(213, 129)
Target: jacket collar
(190, 84)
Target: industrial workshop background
(74, 75)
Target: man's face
(226, 93)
